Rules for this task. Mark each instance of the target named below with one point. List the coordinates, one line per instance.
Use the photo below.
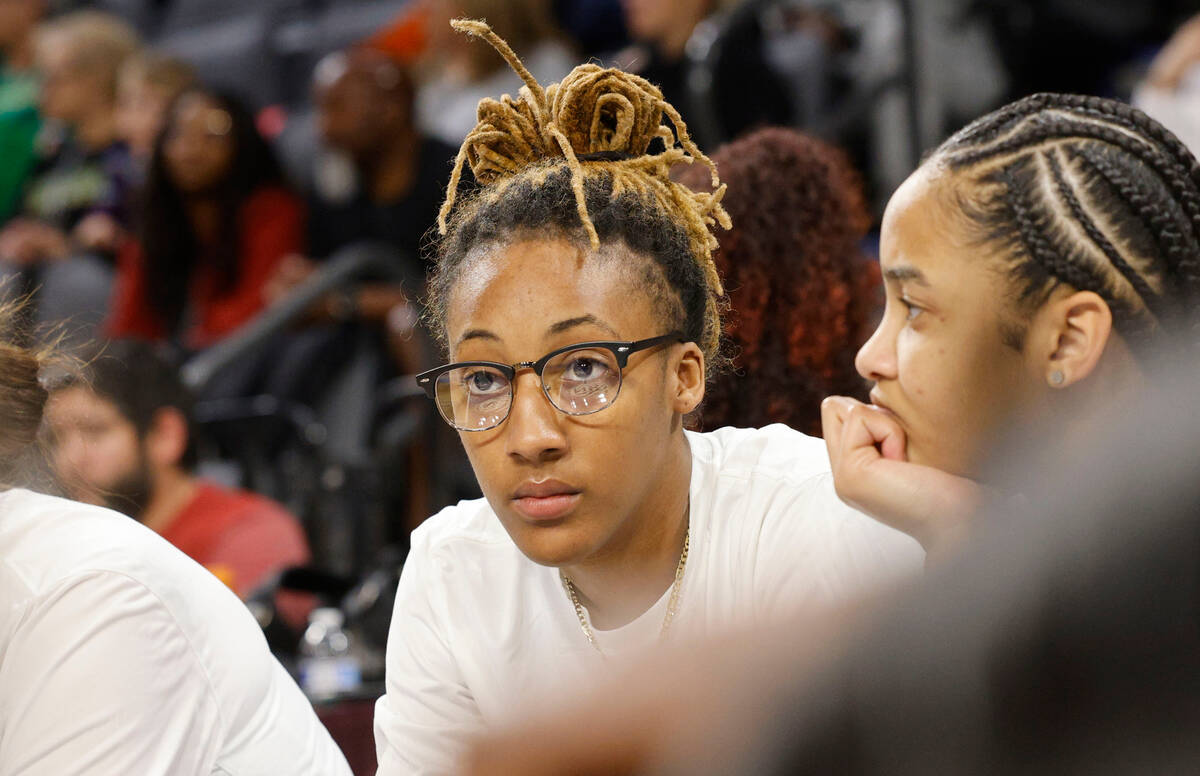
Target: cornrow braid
(1093, 232)
(587, 137)
(1092, 193)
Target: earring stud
(1057, 378)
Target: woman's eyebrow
(476, 334)
(570, 323)
(906, 272)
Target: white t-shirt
(479, 629)
(120, 655)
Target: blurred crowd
(225, 210)
(173, 169)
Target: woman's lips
(546, 500)
(546, 508)
(879, 403)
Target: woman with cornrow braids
(1038, 257)
(576, 296)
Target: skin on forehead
(522, 289)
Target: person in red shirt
(121, 437)
(215, 221)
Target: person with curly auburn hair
(576, 296)
(801, 291)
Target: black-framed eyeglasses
(577, 379)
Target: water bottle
(328, 668)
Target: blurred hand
(1177, 57)
(293, 270)
(99, 232)
(871, 472)
(25, 241)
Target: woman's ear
(1070, 334)
(686, 385)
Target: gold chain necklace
(672, 603)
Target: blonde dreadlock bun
(599, 121)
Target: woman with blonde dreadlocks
(576, 295)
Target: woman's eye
(482, 382)
(584, 368)
(912, 311)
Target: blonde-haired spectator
(75, 206)
(92, 43)
(148, 83)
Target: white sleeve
(428, 712)
(99, 678)
(815, 550)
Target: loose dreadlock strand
(577, 186)
(688, 144)
(480, 29)
(452, 188)
(593, 110)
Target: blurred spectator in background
(801, 291)
(383, 185)
(215, 221)
(122, 437)
(1170, 91)
(78, 195)
(18, 99)
(121, 655)
(1072, 46)
(745, 91)
(76, 201)
(596, 26)
(365, 112)
(148, 83)
(456, 75)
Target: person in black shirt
(389, 193)
(745, 91)
(365, 112)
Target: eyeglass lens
(577, 382)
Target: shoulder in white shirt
(120, 655)
(479, 629)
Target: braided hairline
(1173, 244)
(1044, 126)
(1035, 237)
(1046, 130)
(988, 128)
(1067, 193)
(1181, 258)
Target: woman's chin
(550, 545)
(957, 465)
